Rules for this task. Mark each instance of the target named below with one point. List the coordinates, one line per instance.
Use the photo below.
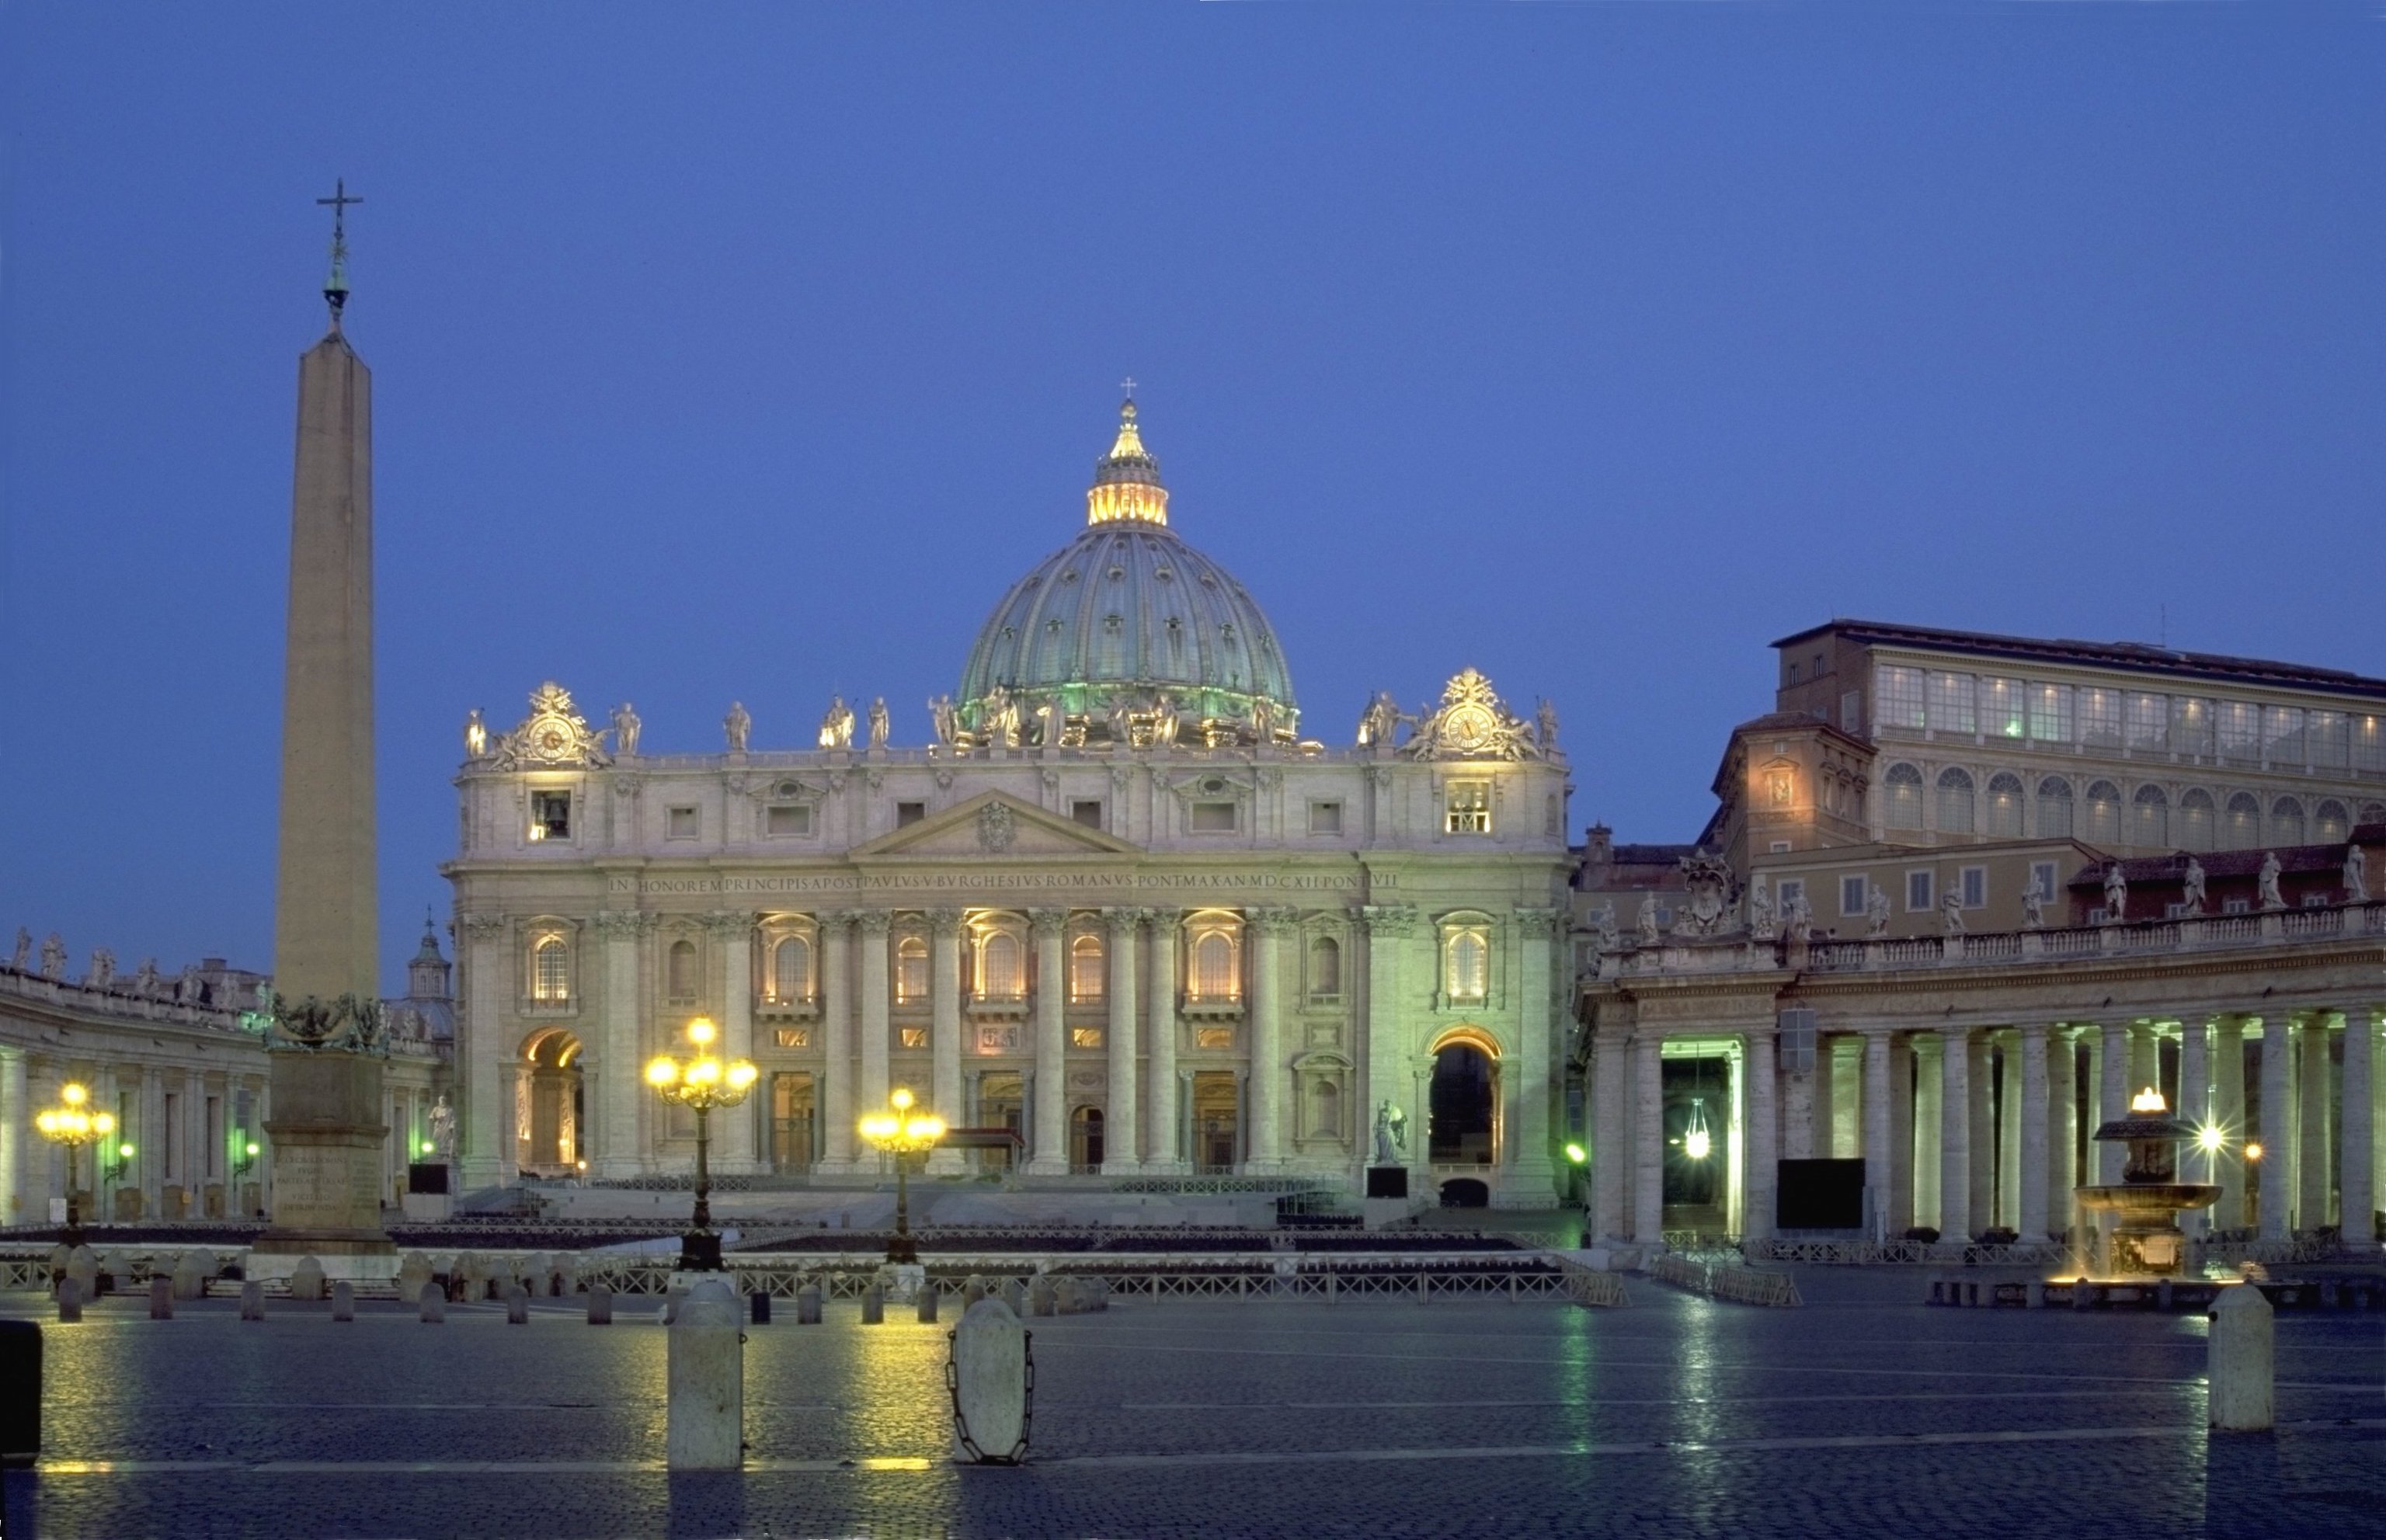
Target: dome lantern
(1126, 481)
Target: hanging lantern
(1697, 1143)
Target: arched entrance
(549, 1110)
(1464, 1103)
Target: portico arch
(549, 1110)
(1463, 1103)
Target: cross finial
(1127, 385)
(335, 287)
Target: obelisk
(326, 1118)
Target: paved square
(1862, 1414)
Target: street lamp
(72, 1124)
(246, 1161)
(897, 1133)
(703, 1082)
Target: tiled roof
(2217, 864)
(2137, 657)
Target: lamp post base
(902, 1249)
(699, 1251)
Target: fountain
(2146, 1241)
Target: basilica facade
(1120, 917)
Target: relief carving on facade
(553, 734)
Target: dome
(1128, 625)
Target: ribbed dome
(1124, 615)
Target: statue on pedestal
(443, 1128)
(54, 956)
(626, 728)
(1877, 912)
(2357, 883)
(737, 727)
(943, 720)
(2116, 895)
(1391, 1134)
(1951, 911)
(24, 956)
(836, 724)
(879, 723)
(2033, 905)
(476, 735)
(2191, 887)
(1647, 919)
(2267, 884)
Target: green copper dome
(1125, 622)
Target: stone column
(1167, 1155)
(2312, 1150)
(1826, 1086)
(1050, 1155)
(1982, 1132)
(1877, 1154)
(2062, 1121)
(1384, 1030)
(487, 1119)
(617, 1151)
(2357, 1166)
(2009, 1104)
(1122, 1138)
(1608, 1140)
(16, 1116)
(1955, 1134)
(1527, 1082)
(2031, 1112)
(2196, 1108)
(1901, 1132)
(944, 1030)
(1265, 928)
(1761, 1150)
(2277, 1133)
(2145, 1058)
(2229, 1113)
(2112, 1095)
(1648, 1140)
(838, 1118)
(1847, 1098)
(872, 989)
(732, 1129)
(1929, 1127)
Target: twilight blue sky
(751, 352)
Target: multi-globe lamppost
(897, 1133)
(703, 1082)
(73, 1124)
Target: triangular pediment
(996, 826)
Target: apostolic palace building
(1126, 915)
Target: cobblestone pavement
(1863, 1414)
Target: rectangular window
(2282, 735)
(2041, 877)
(2191, 725)
(1793, 890)
(1215, 1039)
(680, 823)
(550, 815)
(789, 817)
(1325, 818)
(1851, 712)
(1085, 1037)
(1777, 847)
(1854, 894)
(914, 1037)
(1468, 808)
(793, 1037)
(2330, 740)
(1087, 813)
(2100, 717)
(1214, 818)
(2149, 721)
(1976, 887)
(1898, 697)
(2241, 732)
(907, 813)
(2236, 906)
(2050, 713)
(2005, 707)
(1952, 704)
(1918, 894)
(2368, 742)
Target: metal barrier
(1743, 1285)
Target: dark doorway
(1464, 1107)
(1464, 1191)
(1086, 1141)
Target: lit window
(1955, 802)
(681, 823)
(2244, 821)
(2329, 822)
(2369, 743)
(793, 1037)
(2330, 739)
(789, 817)
(550, 815)
(2196, 820)
(2005, 707)
(2240, 731)
(911, 970)
(791, 971)
(1952, 704)
(911, 1037)
(1855, 893)
(1085, 1037)
(1086, 970)
(1214, 976)
(1467, 964)
(1898, 696)
(2104, 813)
(1214, 818)
(1976, 887)
(2100, 717)
(1002, 966)
(2149, 721)
(1904, 783)
(550, 973)
(1920, 895)
(2191, 725)
(2004, 805)
(2050, 713)
(1325, 968)
(1469, 808)
(679, 970)
(1325, 818)
(2282, 735)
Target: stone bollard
(989, 1379)
(807, 1305)
(343, 1300)
(2242, 1362)
(69, 1300)
(517, 1304)
(566, 1275)
(971, 1292)
(189, 1283)
(601, 1306)
(705, 1421)
(1014, 1294)
(2034, 1294)
(412, 1274)
(252, 1300)
(435, 1304)
(162, 1299)
(928, 1304)
(307, 1280)
(1042, 1297)
(82, 1268)
(873, 1305)
(468, 1275)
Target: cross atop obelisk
(335, 287)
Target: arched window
(2149, 816)
(1904, 783)
(2197, 821)
(1954, 801)
(791, 971)
(2286, 822)
(1002, 966)
(1325, 968)
(2244, 821)
(911, 970)
(2373, 812)
(679, 970)
(1086, 970)
(551, 970)
(2004, 805)
(2329, 822)
(1213, 975)
(2055, 809)
(2104, 813)
(1467, 964)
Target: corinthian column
(944, 1029)
(835, 1097)
(2033, 1220)
(1384, 1033)
(1955, 1134)
(1050, 1155)
(2229, 1113)
(2276, 1134)
(1648, 1139)
(488, 1117)
(2113, 1095)
(872, 989)
(1528, 1158)
(1159, 1036)
(617, 1151)
(1877, 1152)
(2312, 1141)
(2062, 1119)
(1609, 1141)
(1266, 928)
(1762, 1152)
(1120, 1132)
(2196, 1108)
(2356, 1165)
(732, 1129)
